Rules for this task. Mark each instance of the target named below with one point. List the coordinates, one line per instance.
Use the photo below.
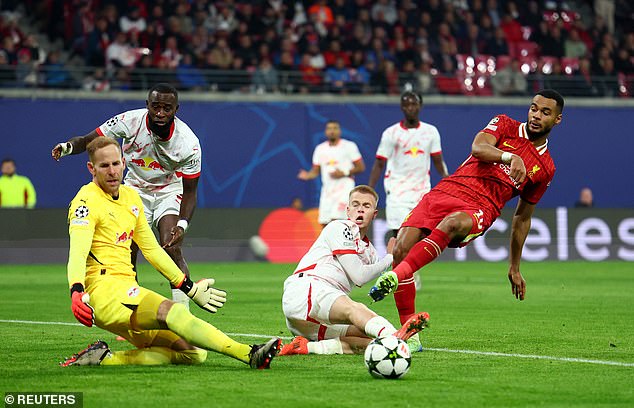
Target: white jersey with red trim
(337, 238)
(154, 164)
(408, 153)
(334, 191)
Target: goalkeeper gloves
(83, 312)
(201, 292)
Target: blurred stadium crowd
(459, 47)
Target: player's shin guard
(405, 298)
(425, 251)
(155, 356)
(378, 326)
(204, 335)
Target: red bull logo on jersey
(133, 291)
(123, 237)
(414, 151)
(147, 163)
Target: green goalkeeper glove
(201, 292)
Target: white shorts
(330, 209)
(395, 214)
(157, 205)
(306, 303)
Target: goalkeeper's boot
(299, 345)
(412, 326)
(261, 354)
(385, 284)
(91, 355)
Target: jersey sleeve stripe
(378, 156)
(308, 268)
(99, 132)
(436, 153)
(344, 251)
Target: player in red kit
(508, 158)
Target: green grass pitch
(570, 343)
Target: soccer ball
(387, 357)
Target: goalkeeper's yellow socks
(155, 356)
(204, 335)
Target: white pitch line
(442, 350)
(533, 356)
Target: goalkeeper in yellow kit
(104, 218)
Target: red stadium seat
(502, 61)
(546, 63)
(448, 84)
(525, 49)
(569, 65)
(484, 64)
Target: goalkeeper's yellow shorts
(114, 298)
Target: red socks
(425, 251)
(420, 255)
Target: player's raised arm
(74, 145)
(483, 148)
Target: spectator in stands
(311, 76)
(606, 78)
(606, 9)
(573, 46)
(55, 73)
(337, 77)
(132, 20)
(509, 81)
(265, 78)
(333, 53)
(472, 43)
(7, 72)
(119, 53)
(321, 12)
(26, 73)
(189, 76)
(384, 10)
(97, 82)
(171, 55)
(512, 29)
(15, 191)
(553, 45)
(581, 81)
(426, 84)
(498, 45)
(586, 199)
(10, 50)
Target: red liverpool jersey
(489, 184)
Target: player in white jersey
(315, 302)
(337, 160)
(407, 148)
(163, 158)
(405, 152)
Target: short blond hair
(99, 143)
(365, 189)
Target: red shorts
(436, 205)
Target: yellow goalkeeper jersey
(101, 231)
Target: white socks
(379, 327)
(331, 346)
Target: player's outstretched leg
(299, 345)
(261, 354)
(91, 355)
(385, 284)
(413, 325)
